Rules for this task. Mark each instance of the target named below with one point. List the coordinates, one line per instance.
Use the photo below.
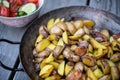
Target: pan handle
(3, 65)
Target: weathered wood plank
(50, 5)
(21, 75)
(54, 4)
(8, 55)
(109, 5)
(8, 52)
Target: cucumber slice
(21, 13)
(6, 3)
(28, 8)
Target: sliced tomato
(19, 2)
(4, 11)
(34, 1)
(14, 7)
(13, 14)
(25, 1)
(10, 1)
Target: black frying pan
(103, 20)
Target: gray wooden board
(50, 5)
(21, 75)
(112, 6)
(8, 52)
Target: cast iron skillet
(103, 20)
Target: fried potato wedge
(98, 73)
(88, 23)
(50, 23)
(46, 71)
(96, 44)
(61, 68)
(54, 77)
(91, 74)
(65, 37)
(50, 58)
(39, 38)
(71, 28)
(68, 68)
(78, 24)
(42, 45)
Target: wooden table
(9, 53)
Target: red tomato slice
(4, 11)
(19, 2)
(13, 14)
(25, 1)
(34, 1)
(10, 1)
(14, 7)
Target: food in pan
(75, 51)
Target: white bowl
(23, 20)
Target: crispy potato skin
(80, 51)
(74, 75)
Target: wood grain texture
(8, 52)
(21, 75)
(112, 6)
(54, 4)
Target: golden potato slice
(71, 28)
(79, 65)
(69, 54)
(55, 42)
(51, 46)
(99, 53)
(39, 38)
(43, 63)
(61, 68)
(79, 32)
(50, 23)
(98, 73)
(78, 24)
(54, 77)
(52, 37)
(86, 37)
(115, 73)
(74, 75)
(91, 74)
(60, 42)
(42, 45)
(57, 20)
(65, 37)
(50, 58)
(43, 30)
(61, 57)
(68, 68)
(87, 60)
(106, 33)
(96, 44)
(55, 64)
(61, 25)
(57, 51)
(62, 19)
(46, 71)
(87, 31)
(90, 48)
(74, 37)
(56, 30)
(88, 23)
